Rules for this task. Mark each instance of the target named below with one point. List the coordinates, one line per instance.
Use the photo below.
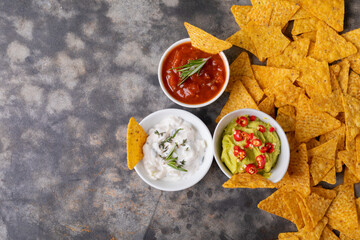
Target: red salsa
(198, 88)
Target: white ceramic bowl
(278, 172)
(227, 68)
(148, 122)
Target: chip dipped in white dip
(173, 150)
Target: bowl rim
(208, 156)
(227, 68)
(266, 118)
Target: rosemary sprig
(169, 138)
(192, 67)
(172, 162)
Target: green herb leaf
(169, 138)
(189, 69)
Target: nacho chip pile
(310, 85)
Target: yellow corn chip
(317, 206)
(354, 37)
(241, 66)
(304, 25)
(205, 41)
(291, 55)
(319, 167)
(242, 39)
(325, 193)
(240, 14)
(315, 74)
(245, 180)
(352, 118)
(330, 177)
(333, 79)
(253, 88)
(354, 85)
(312, 143)
(268, 40)
(275, 204)
(350, 161)
(285, 92)
(331, 12)
(343, 77)
(267, 106)
(350, 178)
(338, 133)
(336, 69)
(331, 103)
(357, 148)
(327, 234)
(330, 46)
(355, 235)
(297, 176)
(301, 13)
(355, 62)
(135, 140)
(305, 213)
(292, 202)
(292, 141)
(239, 98)
(260, 14)
(282, 12)
(325, 150)
(306, 233)
(310, 35)
(342, 212)
(286, 117)
(269, 76)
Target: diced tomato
(261, 161)
(251, 169)
(256, 142)
(261, 128)
(249, 144)
(252, 118)
(242, 121)
(263, 149)
(271, 129)
(270, 147)
(238, 136)
(239, 153)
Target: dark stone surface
(72, 74)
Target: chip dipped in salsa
(199, 87)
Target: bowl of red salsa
(201, 88)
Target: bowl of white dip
(178, 151)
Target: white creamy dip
(187, 145)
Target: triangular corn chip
(330, 46)
(267, 106)
(323, 192)
(355, 62)
(349, 177)
(348, 158)
(260, 14)
(252, 87)
(282, 12)
(243, 40)
(286, 117)
(354, 85)
(245, 180)
(343, 77)
(239, 98)
(269, 76)
(325, 150)
(292, 201)
(135, 140)
(205, 41)
(331, 103)
(352, 118)
(301, 13)
(330, 177)
(241, 66)
(306, 233)
(338, 133)
(319, 167)
(240, 14)
(327, 234)
(317, 206)
(332, 12)
(304, 25)
(286, 92)
(312, 143)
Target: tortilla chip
(355, 62)
(310, 35)
(319, 167)
(241, 66)
(330, 46)
(245, 180)
(350, 161)
(285, 92)
(242, 40)
(315, 74)
(135, 140)
(352, 118)
(205, 41)
(292, 54)
(304, 25)
(275, 204)
(253, 88)
(327, 234)
(282, 12)
(333, 79)
(301, 13)
(268, 40)
(260, 14)
(342, 212)
(331, 12)
(267, 106)
(350, 178)
(312, 143)
(240, 14)
(279, 104)
(357, 148)
(292, 141)
(286, 117)
(331, 103)
(239, 98)
(336, 69)
(343, 77)
(344, 237)
(338, 164)
(269, 76)
(338, 133)
(292, 202)
(298, 175)
(323, 192)
(354, 85)
(330, 177)
(317, 206)
(354, 37)
(325, 150)
(306, 233)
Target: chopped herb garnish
(187, 149)
(169, 138)
(172, 161)
(182, 162)
(184, 141)
(192, 67)
(158, 133)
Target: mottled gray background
(72, 73)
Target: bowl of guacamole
(250, 141)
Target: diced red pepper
(251, 169)
(261, 128)
(260, 160)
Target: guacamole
(251, 145)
